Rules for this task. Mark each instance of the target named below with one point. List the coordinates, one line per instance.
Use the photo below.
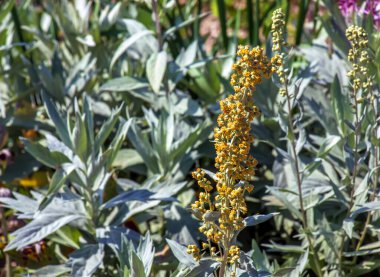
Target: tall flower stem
(360, 78)
(296, 164)
(374, 188)
(278, 30)
(299, 183)
(356, 156)
(372, 198)
(357, 125)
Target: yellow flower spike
(278, 38)
(232, 140)
(358, 56)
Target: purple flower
(350, 7)
(373, 7)
(347, 7)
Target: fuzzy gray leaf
(180, 252)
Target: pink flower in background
(350, 7)
(373, 7)
(347, 7)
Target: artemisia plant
(222, 206)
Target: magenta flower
(373, 7)
(347, 7)
(368, 7)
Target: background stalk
(223, 22)
(303, 8)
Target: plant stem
(375, 183)
(354, 173)
(372, 198)
(157, 23)
(7, 268)
(160, 42)
(223, 266)
(356, 156)
(299, 183)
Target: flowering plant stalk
(361, 100)
(279, 45)
(361, 83)
(221, 210)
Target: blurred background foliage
(107, 106)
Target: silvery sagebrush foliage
(84, 149)
(107, 107)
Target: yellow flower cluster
(233, 254)
(194, 250)
(222, 215)
(278, 37)
(358, 56)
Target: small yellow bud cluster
(199, 175)
(212, 248)
(359, 57)
(222, 215)
(233, 254)
(278, 37)
(194, 250)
